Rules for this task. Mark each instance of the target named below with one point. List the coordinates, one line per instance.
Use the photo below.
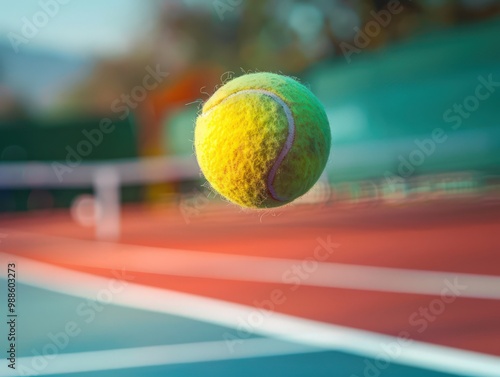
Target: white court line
(156, 355)
(201, 264)
(280, 326)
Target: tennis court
(129, 129)
(328, 288)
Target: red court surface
(244, 256)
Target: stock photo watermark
(363, 37)
(294, 276)
(85, 313)
(122, 107)
(11, 315)
(419, 320)
(224, 6)
(455, 115)
(192, 204)
(460, 111)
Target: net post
(107, 195)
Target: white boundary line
(177, 262)
(280, 326)
(158, 355)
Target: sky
(82, 27)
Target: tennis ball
(262, 140)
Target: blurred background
(386, 75)
(98, 101)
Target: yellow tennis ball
(262, 140)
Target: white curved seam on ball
(289, 140)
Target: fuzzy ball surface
(262, 140)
